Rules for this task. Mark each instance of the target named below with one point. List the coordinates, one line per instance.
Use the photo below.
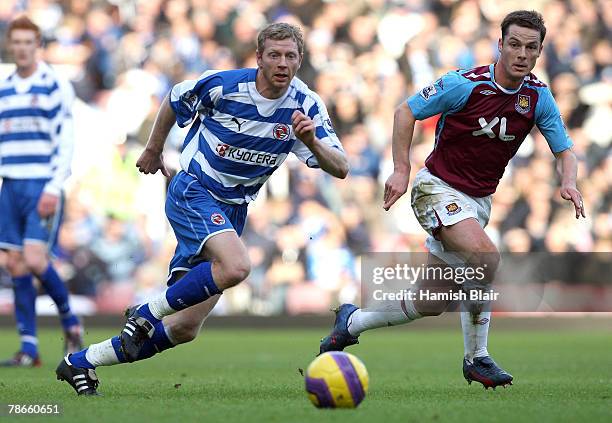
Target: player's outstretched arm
(403, 130)
(151, 160)
(568, 169)
(331, 160)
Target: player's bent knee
(491, 260)
(36, 261)
(237, 272)
(185, 332)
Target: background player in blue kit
(243, 124)
(486, 113)
(36, 144)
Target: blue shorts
(195, 216)
(19, 218)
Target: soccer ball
(336, 380)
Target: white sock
(392, 314)
(160, 307)
(469, 335)
(482, 333)
(475, 323)
(102, 354)
(475, 334)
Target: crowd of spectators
(307, 231)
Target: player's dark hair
(280, 31)
(526, 19)
(23, 22)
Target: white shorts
(436, 204)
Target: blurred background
(307, 231)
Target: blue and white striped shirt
(36, 134)
(238, 138)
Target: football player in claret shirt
(486, 113)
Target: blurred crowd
(307, 231)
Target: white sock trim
(160, 307)
(102, 354)
(386, 314)
(29, 339)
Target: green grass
(252, 376)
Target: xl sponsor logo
(487, 129)
(247, 156)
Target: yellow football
(336, 380)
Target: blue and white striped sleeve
(324, 130)
(189, 97)
(63, 132)
(549, 122)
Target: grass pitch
(252, 376)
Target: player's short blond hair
(280, 31)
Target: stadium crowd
(306, 232)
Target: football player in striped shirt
(242, 126)
(36, 144)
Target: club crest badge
(281, 131)
(452, 209)
(523, 104)
(221, 149)
(217, 219)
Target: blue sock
(158, 343)
(54, 286)
(193, 288)
(117, 347)
(78, 359)
(145, 312)
(25, 313)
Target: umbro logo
(237, 123)
(487, 92)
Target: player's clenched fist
(303, 127)
(150, 162)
